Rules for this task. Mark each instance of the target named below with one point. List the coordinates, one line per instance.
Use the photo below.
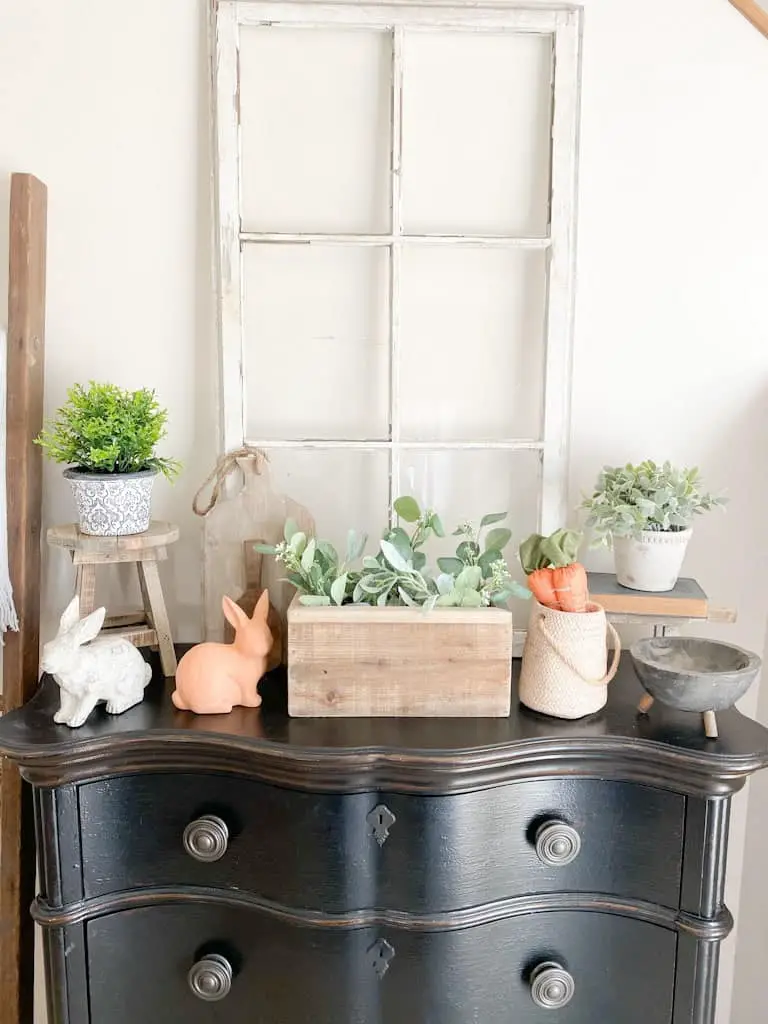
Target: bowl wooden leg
(710, 725)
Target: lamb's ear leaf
(90, 627)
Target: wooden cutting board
(247, 601)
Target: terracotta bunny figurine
(212, 678)
(108, 671)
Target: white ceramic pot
(652, 561)
(112, 505)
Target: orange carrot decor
(541, 584)
(555, 578)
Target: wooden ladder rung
(135, 618)
(141, 635)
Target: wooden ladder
(753, 12)
(26, 335)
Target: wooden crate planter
(359, 661)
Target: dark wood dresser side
(258, 869)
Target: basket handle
(614, 666)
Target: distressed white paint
(372, 445)
(473, 17)
(560, 24)
(404, 238)
(395, 269)
(226, 87)
(559, 331)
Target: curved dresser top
(665, 748)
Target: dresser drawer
(615, 969)
(558, 835)
(300, 849)
(412, 853)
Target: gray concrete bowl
(693, 674)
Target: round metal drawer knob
(206, 838)
(557, 844)
(210, 979)
(551, 986)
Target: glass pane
(472, 343)
(342, 489)
(316, 341)
(465, 485)
(476, 133)
(315, 129)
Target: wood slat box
(359, 661)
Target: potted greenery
(646, 514)
(107, 437)
(386, 634)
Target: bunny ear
(233, 613)
(90, 627)
(70, 615)
(261, 611)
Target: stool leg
(86, 588)
(710, 725)
(145, 597)
(149, 578)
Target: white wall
(671, 356)
(107, 103)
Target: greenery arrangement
(477, 576)
(630, 499)
(105, 429)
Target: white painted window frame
(563, 23)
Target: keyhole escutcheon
(381, 820)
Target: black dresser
(257, 869)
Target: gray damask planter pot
(112, 505)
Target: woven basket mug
(564, 661)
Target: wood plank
(462, 15)
(139, 636)
(26, 346)
(360, 661)
(121, 558)
(149, 576)
(566, 99)
(395, 270)
(159, 535)
(754, 13)
(687, 600)
(225, 72)
(86, 588)
(135, 618)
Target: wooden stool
(147, 628)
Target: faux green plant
(398, 574)
(105, 429)
(556, 551)
(628, 500)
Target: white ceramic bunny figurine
(108, 671)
